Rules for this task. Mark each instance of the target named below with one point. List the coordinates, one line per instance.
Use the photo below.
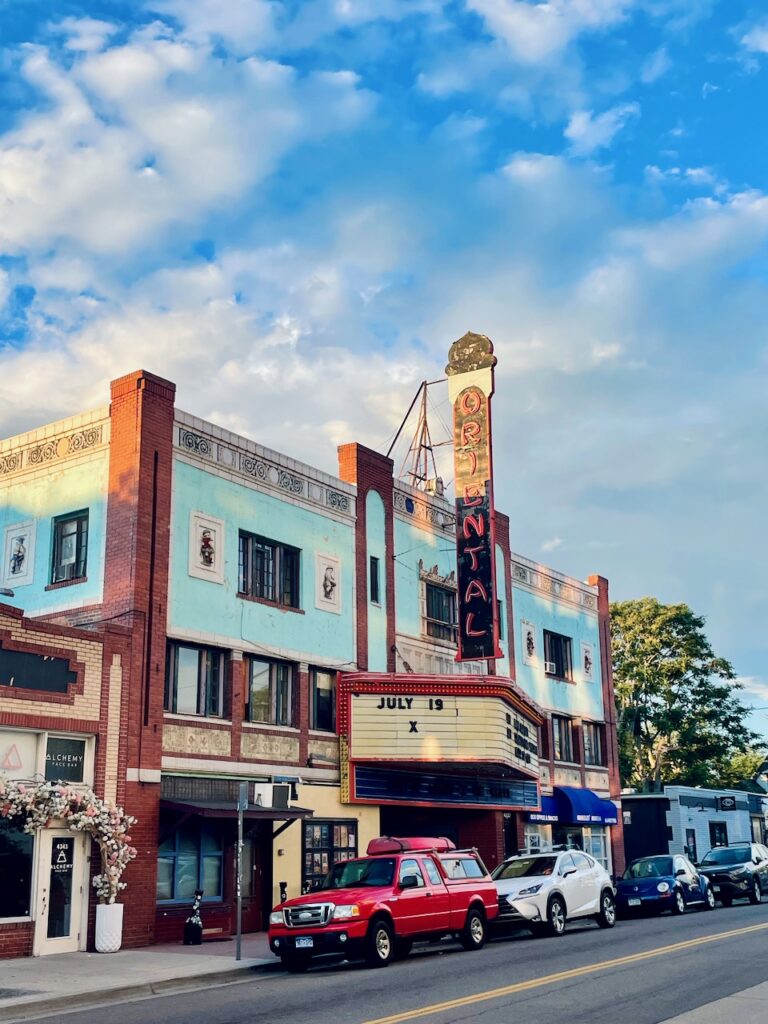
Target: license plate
(307, 942)
(715, 888)
(634, 902)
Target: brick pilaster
(370, 471)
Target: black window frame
(288, 670)
(445, 629)
(597, 731)
(313, 704)
(375, 582)
(269, 571)
(558, 650)
(500, 614)
(216, 661)
(202, 830)
(562, 729)
(327, 849)
(75, 570)
(715, 828)
(17, 859)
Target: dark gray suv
(739, 871)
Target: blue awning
(548, 812)
(583, 807)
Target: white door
(60, 896)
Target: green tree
(680, 718)
(742, 767)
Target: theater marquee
(436, 740)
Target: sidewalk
(747, 1007)
(32, 986)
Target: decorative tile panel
(52, 450)
(440, 517)
(571, 593)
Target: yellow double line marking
(551, 979)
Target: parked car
(663, 883)
(377, 906)
(543, 891)
(738, 871)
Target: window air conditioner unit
(550, 668)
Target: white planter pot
(109, 927)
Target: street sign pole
(242, 803)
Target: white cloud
(757, 38)
(184, 134)
(244, 25)
(656, 66)
(552, 544)
(588, 133)
(5, 288)
(538, 32)
(85, 34)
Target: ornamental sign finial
(470, 373)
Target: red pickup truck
(376, 906)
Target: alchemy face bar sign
(470, 386)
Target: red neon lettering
(477, 523)
(475, 498)
(475, 589)
(476, 402)
(472, 456)
(474, 632)
(470, 432)
(473, 556)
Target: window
(461, 867)
(271, 692)
(374, 573)
(558, 656)
(269, 571)
(432, 872)
(16, 848)
(194, 680)
(70, 547)
(562, 738)
(327, 843)
(322, 708)
(594, 747)
(690, 844)
(500, 613)
(718, 833)
(190, 858)
(441, 613)
(409, 866)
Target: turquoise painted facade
(214, 611)
(42, 497)
(414, 544)
(582, 698)
(502, 572)
(377, 612)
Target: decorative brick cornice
(55, 449)
(538, 579)
(426, 511)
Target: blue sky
(292, 209)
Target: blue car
(662, 883)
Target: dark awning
(225, 809)
(572, 806)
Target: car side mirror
(409, 882)
(757, 861)
(569, 871)
(679, 872)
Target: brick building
(235, 586)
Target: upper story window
(441, 613)
(562, 739)
(70, 547)
(322, 699)
(594, 744)
(269, 571)
(271, 692)
(558, 655)
(194, 680)
(375, 584)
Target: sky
(291, 209)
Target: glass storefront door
(60, 875)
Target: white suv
(541, 891)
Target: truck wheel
(556, 916)
(402, 948)
(606, 918)
(473, 933)
(296, 963)
(756, 896)
(380, 949)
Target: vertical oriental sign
(470, 387)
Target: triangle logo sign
(62, 857)
(12, 761)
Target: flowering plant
(34, 805)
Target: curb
(82, 1001)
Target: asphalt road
(610, 976)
